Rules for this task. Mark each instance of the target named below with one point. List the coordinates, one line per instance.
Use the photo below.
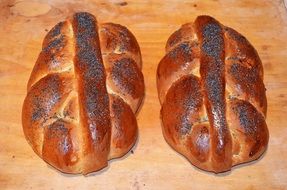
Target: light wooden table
(153, 164)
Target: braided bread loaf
(210, 85)
(83, 94)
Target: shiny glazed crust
(83, 93)
(210, 85)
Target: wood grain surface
(151, 164)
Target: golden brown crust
(182, 60)
(117, 39)
(60, 147)
(124, 127)
(70, 116)
(124, 78)
(220, 77)
(55, 55)
(212, 71)
(245, 70)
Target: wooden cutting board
(151, 164)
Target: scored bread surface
(83, 93)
